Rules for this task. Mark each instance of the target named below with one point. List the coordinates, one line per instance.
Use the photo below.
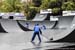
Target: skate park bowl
(48, 24)
(63, 31)
(39, 17)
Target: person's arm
(40, 31)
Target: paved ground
(21, 41)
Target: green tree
(29, 10)
(11, 6)
(37, 3)
(68, 5)
(45, 4)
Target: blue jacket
(36, 29)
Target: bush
(57, 11)
(31, 14)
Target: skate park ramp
(10, 25)
(54, 34)
(48, 24)
(21, 40)
(70, 32)
(65, 21)
(40, 17)
(2, 30)
(60, 34)
(24, 28)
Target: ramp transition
(10, 25)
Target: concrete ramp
(2, 30)
(65, 28)
(23, 28)
(48, 24)
(64, 22)
(68, 34)
(10, 25)
(63, 35)
(40, 17)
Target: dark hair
(37, 24)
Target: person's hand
(41, 33)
